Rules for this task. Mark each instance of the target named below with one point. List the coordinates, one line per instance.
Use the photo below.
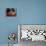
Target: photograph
(30, 33)
(10, 12)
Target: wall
(28, 12)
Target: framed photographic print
(33, 32)
(10, 11)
